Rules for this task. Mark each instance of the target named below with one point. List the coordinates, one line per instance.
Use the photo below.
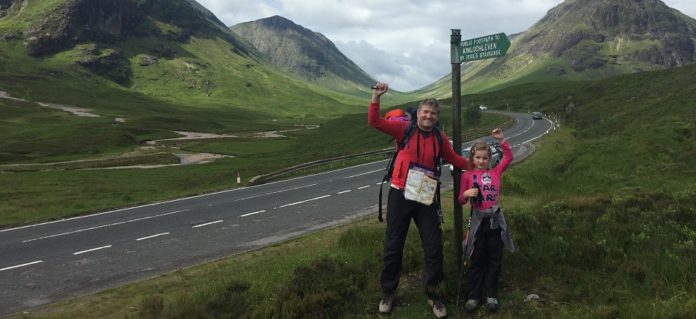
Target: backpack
(399, 115)
(410, 130)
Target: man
(418, 158)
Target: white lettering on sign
(482, 40)
(490, 46)
(479, 48)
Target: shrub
(323, 289)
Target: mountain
(642, 35)
(587, 39)
(144, 69)
(303, 52)
(59, 25)
(169, 49)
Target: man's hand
(498, 133)
(380, 88)
(377, 91)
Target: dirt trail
(79, 111)
(185, 158)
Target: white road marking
(532, 139)
(254, 213)
(22, 265)
(276, 192)
(103, 226)
(343, 192)
(363, 187)
(304, 201)
(130, 208)
(361, 174)
(208, 224)
(153, 236)
(525, 131)
(91, 250)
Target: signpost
(490, 46)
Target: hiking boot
(439, 308)
(386, 304)
(471, 305)
(492, 304)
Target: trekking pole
(465, 254)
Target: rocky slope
(586, 39)
(60, 25)
(301, 51)
(595, 33)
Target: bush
(324, 289)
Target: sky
(401, 42)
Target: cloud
(402, 71)
(687, 7)
(331, 14)
(233, 12)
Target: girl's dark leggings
(486, 262)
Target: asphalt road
(48, 262)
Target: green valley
(603, 214)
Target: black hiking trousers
(486, 262)
(400, 211)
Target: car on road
(537, 115)
(483, 107)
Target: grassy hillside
(638, 126)
(603, 216)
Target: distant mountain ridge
(301, 51)
(644, 32)
(586, 39)
(576, 40)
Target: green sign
(490, 46)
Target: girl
(482, 186)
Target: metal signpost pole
(455, 42)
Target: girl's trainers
(439, 309)
(492, 304)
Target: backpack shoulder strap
(407, 135)
(438, 173)
(438, 158)
(390, 166)
(438, 135)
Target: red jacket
(422, 147)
